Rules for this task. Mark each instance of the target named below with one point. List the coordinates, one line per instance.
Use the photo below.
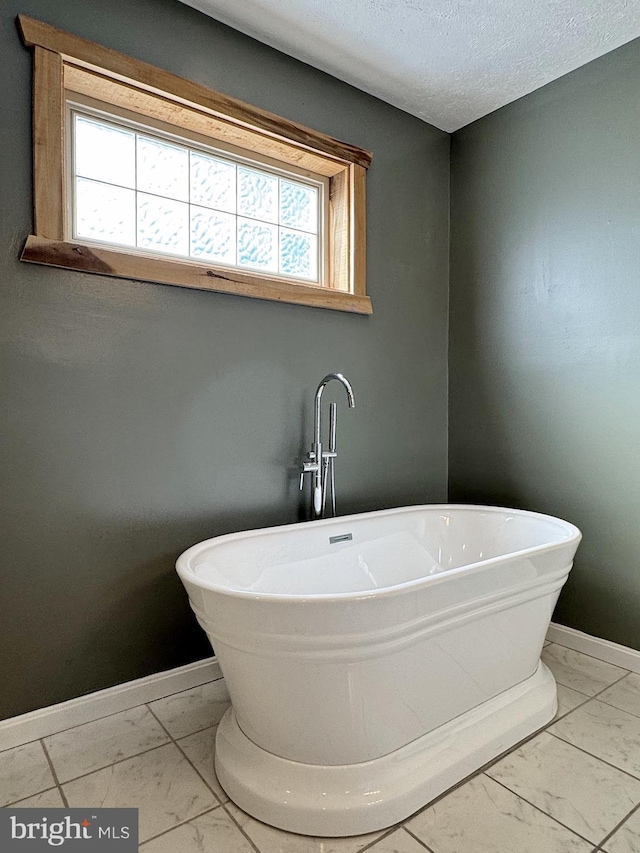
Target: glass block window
(132, 188)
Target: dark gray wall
(138, 419)
(545, 325)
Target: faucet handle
(308, 467)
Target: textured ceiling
(448, 63)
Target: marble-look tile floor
(572, 788)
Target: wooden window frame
(67, 64)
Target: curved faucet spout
(350, 396)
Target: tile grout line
(591, 695)
(609, 686)
(560, 684)
(384, 834)
(236, 823)
(54, 774)
(592, 755)
(419, 840)
(183, 753)
(588, 699)
(587, 655)
(616, 708)
(546, 814)
(595, 696)
(557, 718)
(493, 761)
(14, 803)
(178, 825)
(618, 826)
(113, 763)
(106, 716)
(184, 737)
(604, 701)
(28, 742)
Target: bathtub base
(353, 799)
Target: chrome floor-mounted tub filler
(375, 660)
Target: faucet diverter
(321, 463)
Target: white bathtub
(368, 674)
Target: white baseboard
(603, 649)
(93, 706)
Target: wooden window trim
(66, 63)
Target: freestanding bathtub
(375, 660)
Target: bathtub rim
(188, 575)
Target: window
(131, 187)
(140, 174)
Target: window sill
(120, 264)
